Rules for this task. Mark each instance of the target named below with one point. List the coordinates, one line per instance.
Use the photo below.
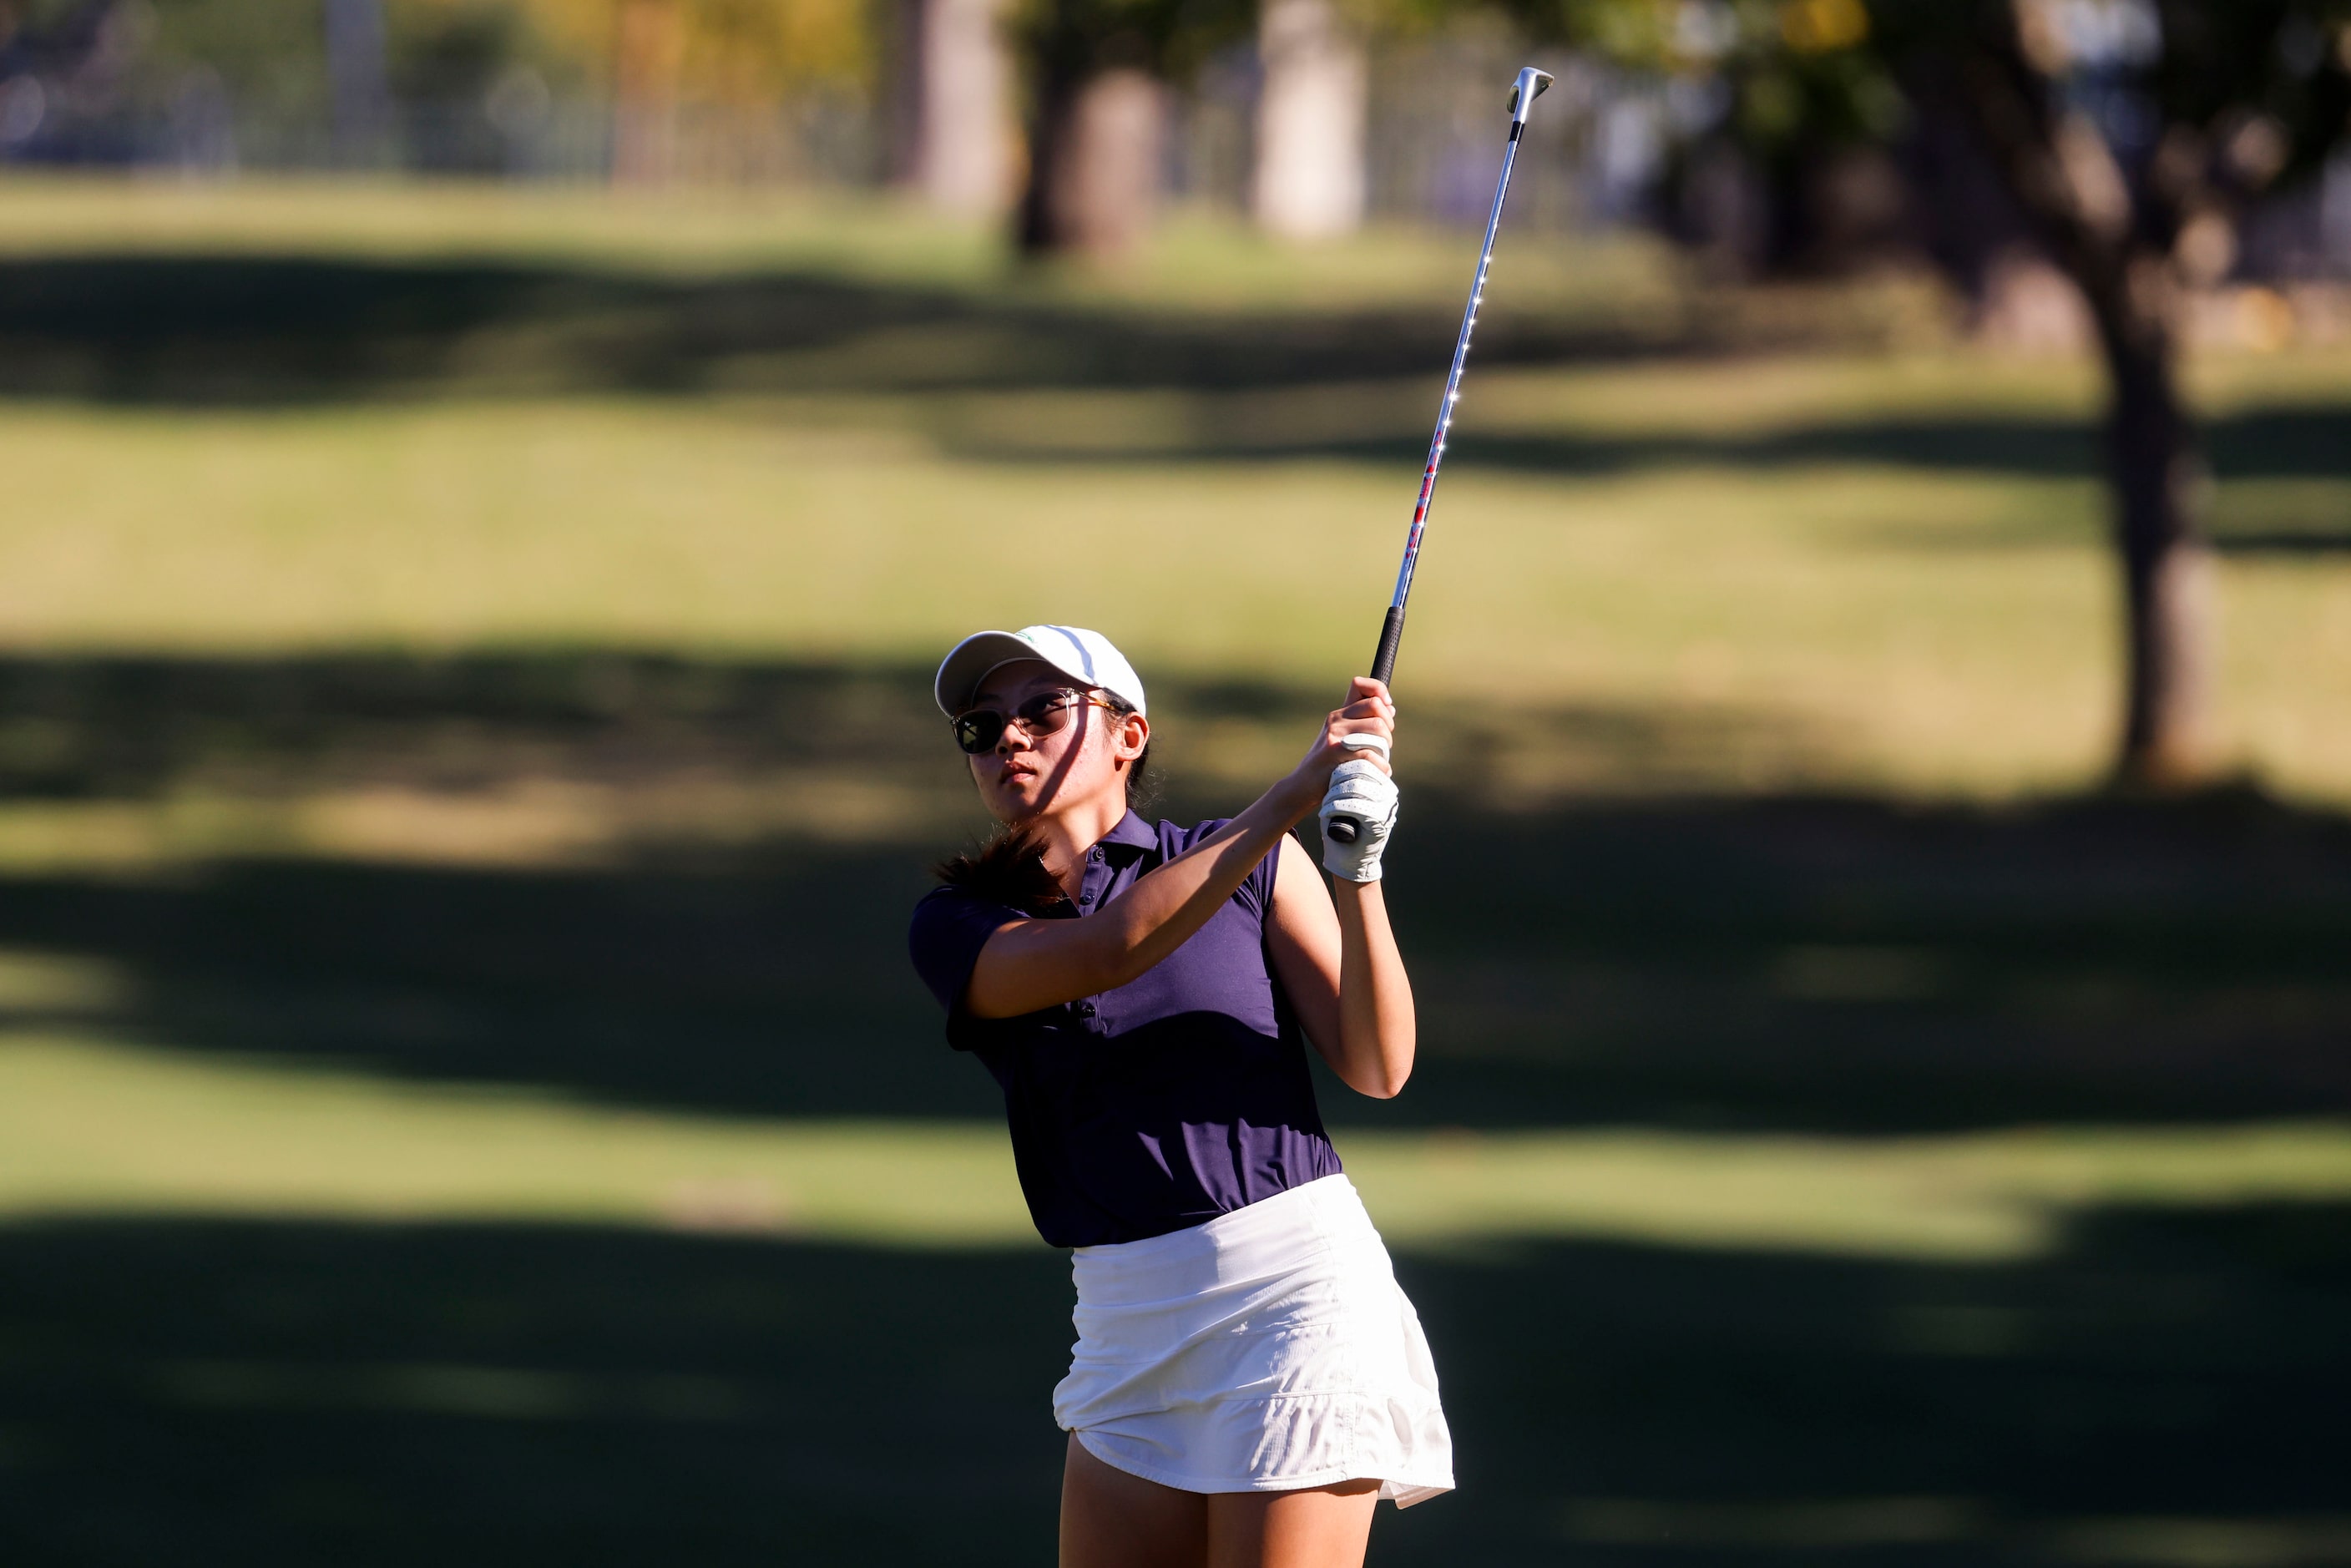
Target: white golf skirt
(1267, 1350)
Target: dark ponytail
(1009, 868)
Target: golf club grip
(1391, 633)
(1345, 829)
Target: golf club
(1523, 93)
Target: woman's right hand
(1368, 711)
(1028, 964)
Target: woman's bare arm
(1337, 960)
(1031, 964)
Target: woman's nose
(1025, 729)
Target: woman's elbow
(1381, 1083)
(1115, 952)
(1113, 964)
(1104, 972)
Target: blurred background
(484, 484)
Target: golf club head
(1531, 86)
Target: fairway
(1848, 621)
(1827, 569)
(91, 1129)
(466, 757)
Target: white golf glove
(1359, 790)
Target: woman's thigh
(1112, 1520)
(1320, 1527)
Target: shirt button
(1094, 855)
(1085, 1009)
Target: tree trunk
(1057, 66)
(2115, 245)
(362, 101)
(1094, 153)
(646, 47)
(1309, 182)
(2158, 473)
(955, 105)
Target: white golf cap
(1086, 657)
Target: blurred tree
(710, 50)
(270, 56)
(357, 79)
(741, 52)
(1309, 180)
(448, 81)
(1095, 108)
(950, 104)
(655, 56)
(2130, 135)
(280, 69)
(647, 51)
(468, 78)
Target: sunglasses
(977, 732)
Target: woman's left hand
(1357, 818)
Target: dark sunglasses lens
(1043, 714)
(978, 732)
(1044, 711)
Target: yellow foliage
(747, 51)
(738, 52)
(1818, 26)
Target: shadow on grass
(214, 1393)
(1689, 959)
(2287, 442)
(262, 330)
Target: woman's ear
(1134, 735)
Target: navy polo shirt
(1160, 1104)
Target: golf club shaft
(1344, 828)
(1392, 629)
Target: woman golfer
(1248, 1379)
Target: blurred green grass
(487, 606)
(1909, 627)
(465, 761)
(1195, 262)
(94, 1127)
(1884, 569)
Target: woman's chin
(1014, 805)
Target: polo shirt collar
(1105, 864)
(1134, 831)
